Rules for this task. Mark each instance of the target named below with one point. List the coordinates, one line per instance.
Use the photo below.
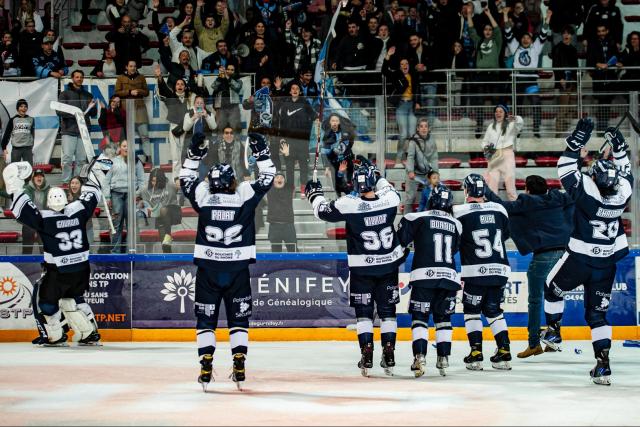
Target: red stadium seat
(166, 9)
(97, 212)
(521, 161)
(154, 44)
(546, 161)
(520, 184)
(478, 162)
(88, 62)
(147, 167)
(99, 45)
(166, 167)
(554, 183)
(9, 236)
(104, 27)
(83, 28)
(147, 61)
(46, 168)
(338, 233)
(8, 213)
(449, 162)
(632, 18)
(453, 184)
(69, 62)
(189, 212)
(105, 236)
(149, 236)
(73, 45)
(184, 235)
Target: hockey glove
(15, 175)
(312, 190)
(259, 146)
(198, 148)
(616, 140)
(580, 136)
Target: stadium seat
(166, 167)
(166, 9)
(88, 62)
(149, 236)
(104, 27)
(187, 235)
(630, 2)
(449, 162)
(73, 45)
(147, 61)
(546, 161)
(554, 183)
(632, 18)
(83, 28)
(69, 62)
(8, 213)
(520, 184)
(189, 212)
(338, 233)
(105, 236)
(154, 44)
(521, 161)
(97, 212)
(478, 162)
(99, 45)
(46, 168)
(9, 236)
(453, 184)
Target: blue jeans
(119, 205)
(406, 125)
(539, 268)
(72, 147)
(428, 99)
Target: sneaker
(167, 240)
(530, 351)
(551, 337)
(474, 359)
(600, 374)
(500, 360)
(366, 359)
(388, 359)
(206, 367)
(418, 365)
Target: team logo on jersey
(483, 270)
(208, 253)
(244, 307)
(524, 58)
(369, 260)
(64, 260)
(596, 250)
(363, 207)
(430, 273)
(604, 303)
(181, 286)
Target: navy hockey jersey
(436, 235)
(226, 236)
(372, 242)
(598, 237)
(485, 228)
(63, 234)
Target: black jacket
(280, 204)
(78, 98)
(539, 222)
(399, 83)
(176, 109)
(294, 118)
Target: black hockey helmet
(441, 198)
(364, 179)
(221, 178)
(605, 175)
(474, 185)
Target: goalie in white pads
(598, 241)
(434, 279)
(58, 301)
(225, 246)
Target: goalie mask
(221, 178)
(56, 199)
(605, 175)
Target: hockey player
(58, 301)
(598, 241)
(485, 271)
(225, 246)
(374, 254)
(434, 280)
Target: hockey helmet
(56, 199)
(441, 198)
(221, 178)
(474, 185)
(364, 179)
(605, 175)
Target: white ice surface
(308, 383)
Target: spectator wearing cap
(307, 47)
(498, 143)
(49, 63)
(220, 58)
(208, 30)
(526, 58)
(37, 189)
(20, 132)
(540, 222)
(72, 145)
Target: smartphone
(483, 4)
(199, 109)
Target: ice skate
(366, 360)
(92, 340)
(474, 359)
(205, 371)
(601, 373)
(500, 360)
(441, 364)
(388, 359)
(551, 337)
(418, 365)
(237, 375)
(62, 342)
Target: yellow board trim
(309, 334)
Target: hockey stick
(319, 125)
(86, 142)
(624, 117)
(634, 125)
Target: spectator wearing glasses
(226, 91)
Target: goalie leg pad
(54, 326)
(77, 318)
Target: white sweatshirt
(494, 136)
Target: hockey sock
(601, 338)
(473, 325)
(499, 329)
(444, 333)
(206, 339)
(364, 327)
(388, 328)
(553, 311)
(239, 338)
(420, 335)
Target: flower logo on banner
(179, 285)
